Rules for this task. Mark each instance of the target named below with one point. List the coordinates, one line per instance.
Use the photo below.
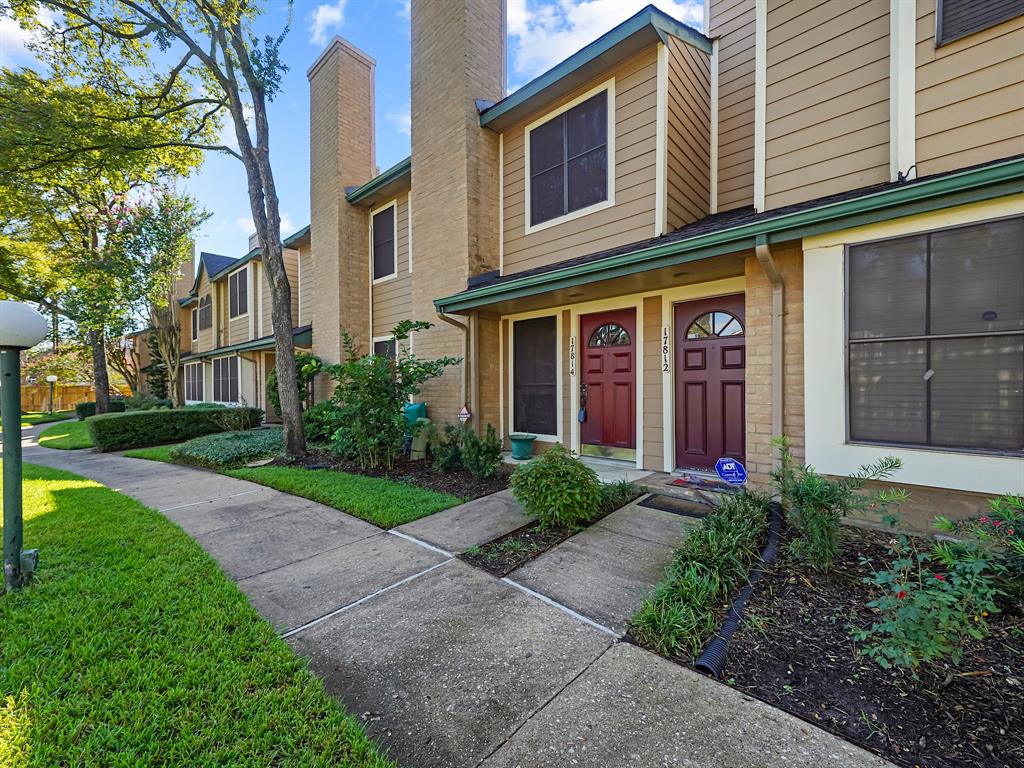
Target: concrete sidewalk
(446, 665)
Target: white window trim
(661, 145)
(198, 365)
(408, 210)
(247, 293)
(608, 85)
(195, 324)
(559, 384)
(387, 337)
(238, 367)
(394, 221)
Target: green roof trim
(393, 173)
(289, 241)
(303, 338)
(991, 181)
(663, 24)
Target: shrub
(1001, 534)
(714, 559)
(117, 431)
(226, 450)
(481, 456)
(85, 410)
(557, 488)
(144, 402)
(618, 494)
(205, 406)
(307, 366)
(320, 422)
(447, 449)
(370, 393)
(815, 504)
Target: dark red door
(608, 356)
(710, 354)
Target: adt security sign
(731, 471)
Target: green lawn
(31, 419)
(384, 503)
(132, 648)
(156, 453)
(67, 435)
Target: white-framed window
(195, 324)
(534, 380)
(570, 159)
(205, 313)
(384, 242)
(194, 382)
(385, 346)
(238, 293)
(225, 379)
(959, 18)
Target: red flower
(982, 519)
(997, 523)
(901, 594)
(940, 577)
(1009, 531)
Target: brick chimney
(341, 140)
(186, 276)
(458, 57)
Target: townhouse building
(807, 220)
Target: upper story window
(195, 324)
(238, 293)
(570, 158)
(385, 348)
(385, 263)
(958, 18)
(205, 313)
(936, 338)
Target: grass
(68, 435)
(41, 417)
(131, 647)
(384, 503)
(156, 453)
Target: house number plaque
(572, 356)
(664, 349)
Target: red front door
(710, 355)
(608, 383)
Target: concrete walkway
(448, 666)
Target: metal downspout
(464, 327)
(764, 257)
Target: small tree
(307, 366)
(124, 356)
(370, 392)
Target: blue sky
(540, 34)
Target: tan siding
(291, 268)
(238, 327)
(733, 22)
(392, 300)
(205, 341)
(654, 429)
(306, 286)
(220, 313)
(267, 327)
(632, 216)
(688, 139)
(827, 115)
(970, 95)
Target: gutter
(464, 327)
(771, 271)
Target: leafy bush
(307, 366)
(226, 450)
(447, 449)
(557, 488)
(144, 402)
(138, 429)
(85, 410)
(815, 504)
(370, 393)
(618, 494)
(481, 456)
(205, 406)
(320, 422)
(1001, 534)
(714, 559)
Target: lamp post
(52, 378)
(21, 327)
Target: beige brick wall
(457, 55)
(789, 260)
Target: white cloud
(401, 120)
(405, 9)
(15, 40)
(326, 18)
(541, 34)
(227, 135)
(246, 227)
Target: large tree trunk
(167, 333)
(99, 371)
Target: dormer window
(569, 160)
(238, 291)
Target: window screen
(225, 380)
(205, 313)
(936, 338)
(958, 18)
(238, 290)
(385, 348)
(384, 243)
(194, 382)
(535, 376)
(569, 160)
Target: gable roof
(378, 183)
(648, 26)
(215, 263)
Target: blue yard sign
(731, 471)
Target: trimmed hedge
(138, 429)
(85, 410)
(147, 403)
(229, 449)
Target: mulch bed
(794, 651)
(461, 484)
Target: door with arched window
(608, 384)
(710, 363)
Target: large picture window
(238, 292)
(936, 338)
(205, 313)
(225, 379)
(384, 264)
(535, 376)
(194, 382)
(569, 161)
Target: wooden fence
(36, 397)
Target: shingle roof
(214, 262)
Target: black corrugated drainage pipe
(712, 660)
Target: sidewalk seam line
(207, 501)
(564, 608)
(382, 590)
(423, 544)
